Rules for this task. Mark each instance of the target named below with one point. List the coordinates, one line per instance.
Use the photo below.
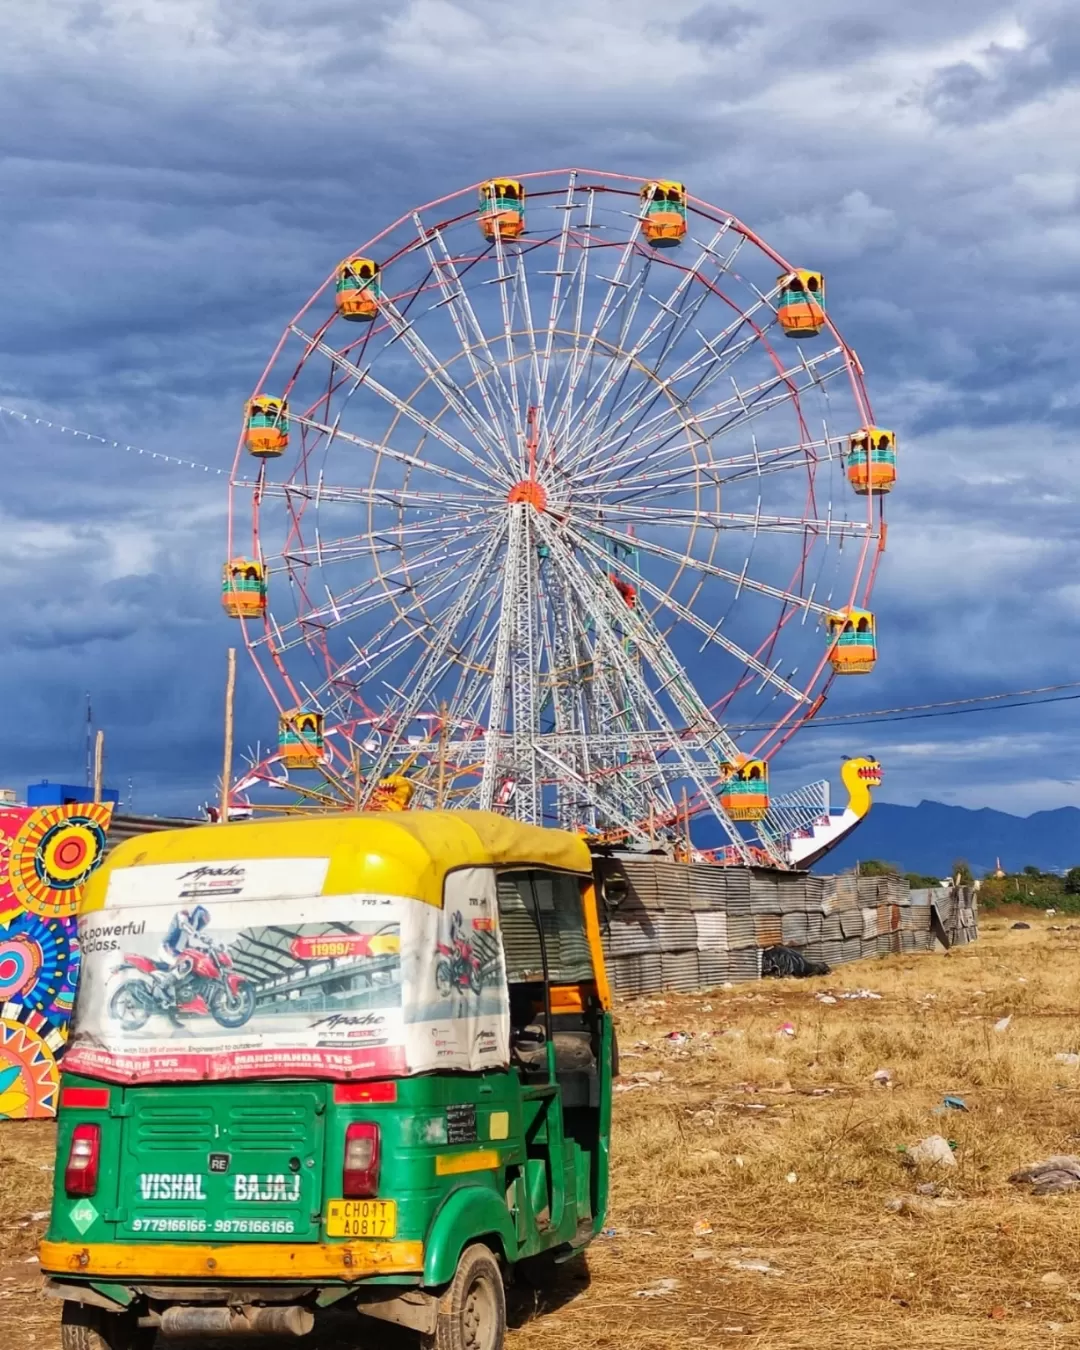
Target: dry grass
(740, 1109)
(846, 1272)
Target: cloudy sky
(180, 174)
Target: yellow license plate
(361, 1218)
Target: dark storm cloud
(1007, 78)
(201, 166)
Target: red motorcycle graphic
(202, 983)
(459, 967)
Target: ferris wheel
(561, 497)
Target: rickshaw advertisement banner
(192, 983)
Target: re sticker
(83, 1215)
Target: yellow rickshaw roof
(392, 853)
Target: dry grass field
(760, 1194)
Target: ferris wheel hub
(530, 492)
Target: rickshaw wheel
(472, 1311)
(86, 1328)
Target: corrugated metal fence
(690, 926)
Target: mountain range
(930, 837)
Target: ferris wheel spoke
(373, 591)
(472, 684)
(568, 208)
(576, 294)
(597, 398)
(652, 380)
(490, 438)
(734, 413)
(637, 514)
(740, 406)
(524, 301)
(398, 456)
(712, 631)
(385, 646)
(580, 357)
(604, 600)
(472, 337)
(740, 580)
(364, 379)
(408, 625)
(339, 611)
(708, 363)
(663, 482)
(675, 682)
(716, 353)
(389, 539)
(405, 499)
(423, 677)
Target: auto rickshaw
(360, 1060)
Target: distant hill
(929, 837)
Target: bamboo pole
(440, 795)
(99, 763)
(226, 768)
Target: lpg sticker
(268, 1190)
(83, 1215)
(171, 1186)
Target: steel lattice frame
(582, 650)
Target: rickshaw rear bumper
(261, 1261)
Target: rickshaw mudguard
(468, 1214)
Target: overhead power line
(1019, 698)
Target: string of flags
(116, 445)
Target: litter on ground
(933, 1151)
(1052, 1176)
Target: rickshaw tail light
(84, 1157)
(84, 1098)
(360, 1177)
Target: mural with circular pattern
(35, 962)
(52, 855)
(29, 1076)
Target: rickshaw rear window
(554, 899)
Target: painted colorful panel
(46, 855)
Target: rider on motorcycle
(184, 932)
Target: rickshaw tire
(86, 1328)
(472, 1308)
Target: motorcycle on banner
(201, 983)
(459, 967)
